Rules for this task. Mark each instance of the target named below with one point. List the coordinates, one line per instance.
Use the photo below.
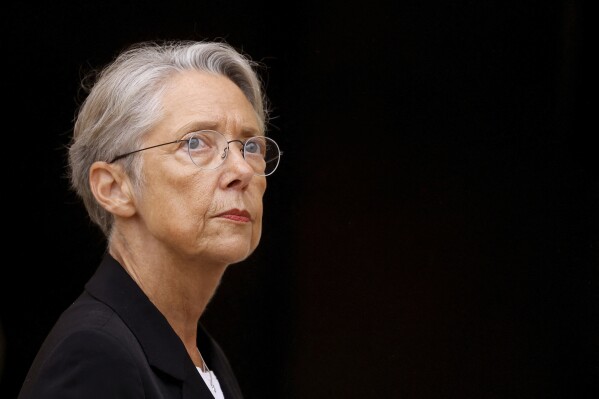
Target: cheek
(256, 197)
(179, 204)
(258, 206)
(193, 200)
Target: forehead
(195, 95)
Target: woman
(170, 159)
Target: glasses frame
(224, 156)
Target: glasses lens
(263, 155)
(207, 148)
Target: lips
(236, 215)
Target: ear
(111, 187)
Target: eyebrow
(196, 126)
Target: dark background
(430, 233)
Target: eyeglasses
(208, 149)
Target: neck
(180, 288)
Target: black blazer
(112, 342)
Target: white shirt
(212, 383)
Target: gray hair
(125, 102)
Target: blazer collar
(112, 285)
(164, 350)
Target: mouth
(236, 215)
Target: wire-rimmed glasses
(208, 149)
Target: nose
(236, 158)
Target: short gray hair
(125, 102)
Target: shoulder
(91, 327)
(88, 346)
(89, 319)
(86, 363)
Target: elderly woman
(170, 159)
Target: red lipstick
(236, 215)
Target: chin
(236, 253)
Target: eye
(255, 146)
(201, 141)
(206, 148)
(195, 142)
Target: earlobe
(111, 188)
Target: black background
(431, 231)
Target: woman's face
(213, 214)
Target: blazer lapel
(163, 348)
